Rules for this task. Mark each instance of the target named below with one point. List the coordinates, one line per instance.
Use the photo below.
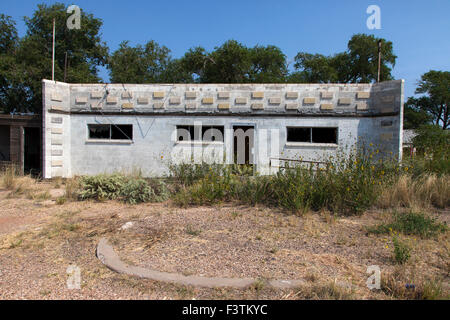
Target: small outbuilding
(21, 142)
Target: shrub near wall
(120, 187)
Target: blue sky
(419, 29)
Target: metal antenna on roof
(65, 67)
(379, 60)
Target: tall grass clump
(121, 187)
(72, 187)
(423, 179)
(9, 177)
(187, 174)
(425, 190)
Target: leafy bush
(411, 223)
(402, 252)
(120, 187)
(218, 185)
(292, 189)
(433, 150)
(188, 173)
(254, 190)
(102, 187)
(136, 191)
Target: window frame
(311, 143)
(200, 130)
(110, 139)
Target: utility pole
(53, 52)
(379, 60)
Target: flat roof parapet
(354, 99)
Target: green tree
(194, 62)
(229, 63)
(11, 91)
(433, 142)
(33, 55)
(414, 115)
(233, 62)
(436, 87)
(363, 53)
(358, 64)
(315, 68)
(8, 35)
(140, 64)
(268, 65)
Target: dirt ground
(41, 237)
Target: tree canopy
(358, 64)
(140, 64)
(232, 62)
(432, 106)
(26, 61)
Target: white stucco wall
(69, 108)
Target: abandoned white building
(103, 128)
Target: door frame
(252, 155)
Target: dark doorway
(243, 143)
(4, 143)
(32, 150)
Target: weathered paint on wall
(362, 112)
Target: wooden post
(16, 146)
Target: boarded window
(312, 135)
(111, 131)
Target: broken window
(207, 133)
(110, 131)
(312, 135)
(122, 132)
